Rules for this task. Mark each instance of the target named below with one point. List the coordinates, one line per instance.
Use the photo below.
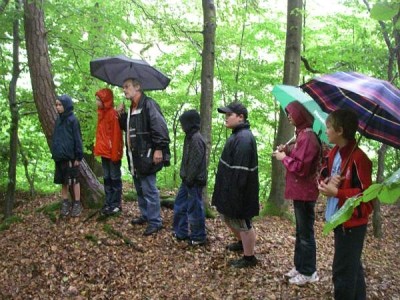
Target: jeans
(148, 199)
(189, 213)
(347, 270)
(112, 182)
(305, 248)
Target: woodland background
(250, 43)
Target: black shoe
(105, 210)
(151, 230)
(110, 211)
(197, 243)
(244, 263)
(237, 246)
(178, 238)
(138, 221)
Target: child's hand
(335, 180)
(279, 155)
(328, 189)
(280, 148)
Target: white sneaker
(301, 279)
(292, 273)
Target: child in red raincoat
(301, 161)
(109, 146)
(352, 177)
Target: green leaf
(342, 215)
(384, 11)
(387, 192)
(390, 194)
(372, 192)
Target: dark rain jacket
(303, 157)
(193, 170)
(236, 183)
(357, 177)
(146, 131)
(67, 141)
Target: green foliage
(91, 237)
(384, 11)
(249, 51)
(51, 210)
(387, 192)
(269, 209)
(130, 196)
(6, 224)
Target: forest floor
(43, 257)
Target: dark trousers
(305, 248)
(189, 213)
(347, 270)
(112, 182)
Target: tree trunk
(25, 162)
(12, 98)
(377, 216)
(44, 90)
(207, 76)
(276, 204)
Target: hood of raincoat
(106, 96)
(300, 115)
(190, 121)
(67, 103)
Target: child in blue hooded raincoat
(66, 150)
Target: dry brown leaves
(44, 260)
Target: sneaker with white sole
(292, 273)
(301, 279)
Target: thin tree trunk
(276, 204)
(207, 76)
(25, 162)
(44, 90)
(377, 216)
(12, 98)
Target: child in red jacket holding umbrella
(109, 146)
(346, 175)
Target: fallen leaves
(72, 259)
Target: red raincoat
(303, 157)
(108, 133)
(357, 177)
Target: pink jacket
(303, 157)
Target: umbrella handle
(291, 140)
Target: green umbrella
(285, 94)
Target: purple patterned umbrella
(376, 102)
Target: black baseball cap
(234, 107)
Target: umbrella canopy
(285, 94)
(114, 70)
(375, 101)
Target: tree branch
(3, 5)
(307, 65)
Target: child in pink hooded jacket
(301, 160)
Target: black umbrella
(114, 70)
